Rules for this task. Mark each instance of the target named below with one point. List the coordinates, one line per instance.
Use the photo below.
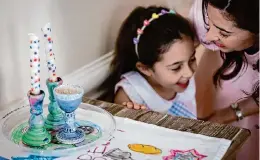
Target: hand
(132, 105)
(224, 116)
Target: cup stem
(70, 122)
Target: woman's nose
(211, 35)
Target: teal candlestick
(36, 135)
(55, 119)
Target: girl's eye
(176, 69)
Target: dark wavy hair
(245, 14)
(155, 40)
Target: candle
(34, 63)
(50, 57)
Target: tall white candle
(34, 63)
(50, 57)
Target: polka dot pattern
(50, 56)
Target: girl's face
(225, 34)
(176, 66)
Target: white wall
(83, 30)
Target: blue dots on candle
(35, 41)
(31, 77)
(45, 35)
(49, 68)
(50, 50)
(30, 60)
(49, 62)
(35, 53)
(39, 65)
(30, 47)
(53, 71)
(38, 71)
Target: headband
(145, 24)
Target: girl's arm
(122, 98)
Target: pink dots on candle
(49, 39)
(38, 59)
(54, 74)
(35, 59)
(31, 66)
(30, 41)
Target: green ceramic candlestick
(36, 135)
(55, 119)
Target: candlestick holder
(55, 119)
(69, 98)
(36, 135)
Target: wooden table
(237, 135)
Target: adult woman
(228, 81)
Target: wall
(83, 30)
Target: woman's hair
(245, 15)
(155, 40)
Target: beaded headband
(145, 24)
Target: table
(237, 135)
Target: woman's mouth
(219, 45)
(183, 85)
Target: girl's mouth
(183, 85)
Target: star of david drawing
(191, 154)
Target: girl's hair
(155, 40)
(245, 15)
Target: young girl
(154, 62)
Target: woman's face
(225, 34)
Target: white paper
(169, 144)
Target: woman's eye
(193, 59)
(224, 35)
